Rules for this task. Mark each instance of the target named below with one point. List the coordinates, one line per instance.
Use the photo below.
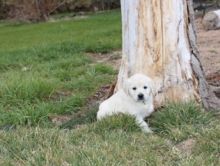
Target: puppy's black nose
(140, 96)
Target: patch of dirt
(103, 93)
(186, 146)
(209, 47)
(113, 59)
(59, 120)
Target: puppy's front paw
(147, 130)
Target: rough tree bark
(159, 40)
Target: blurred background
(40, 10)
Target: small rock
(211, 20)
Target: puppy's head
(139, 87)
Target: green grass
(99, 32)
(45, 70)
(118, 141)
(39, 60)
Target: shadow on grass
(118, 122)
(87, 117)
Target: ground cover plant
(47, 70)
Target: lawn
(47, 70)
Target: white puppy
(134, 99)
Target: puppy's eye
(145, 87)
(134, 88)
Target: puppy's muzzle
(140, 96)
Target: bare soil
(113, 59)
(209, 47)
(186, 146)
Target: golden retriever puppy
(135, 99)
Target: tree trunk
(159, 41)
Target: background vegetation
(38, 10)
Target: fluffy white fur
(134, 99)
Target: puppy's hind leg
(143, 125)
